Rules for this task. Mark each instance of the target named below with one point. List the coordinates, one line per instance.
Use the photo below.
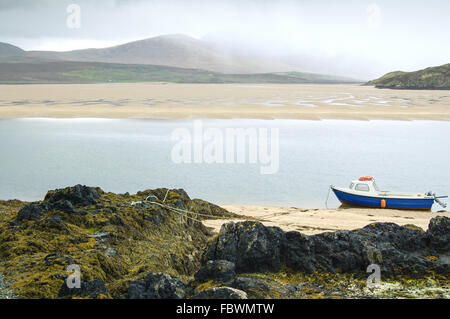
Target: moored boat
(365, 192)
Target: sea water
(128, 155)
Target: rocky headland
(433, 78)
(146, 245)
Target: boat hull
(376, 202)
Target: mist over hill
(172, 50)
(171, 58)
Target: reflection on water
(132, 155)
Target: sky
(358, 38)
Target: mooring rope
(328, 195)
(182, 212)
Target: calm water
(131, 155)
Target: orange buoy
(383, 203)
(365, 178)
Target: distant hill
(171, 58)
(433, 78)
(8, 50)
(170, 50)
(97, 72)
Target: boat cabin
(365, 184)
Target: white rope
(179, 211)
(326, 202)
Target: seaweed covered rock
(77, 195)
(92, 289)
(31, 212)
(439, 233)
(63, 200)
(110, 237)
(261, 288)
(386, 244)
(217, 270)
(221, 293)
(398, 250)
(249, 245)
(157, 286)
(206, 209)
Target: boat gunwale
(425, 197)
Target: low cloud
(355, 38)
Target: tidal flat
(256, 101)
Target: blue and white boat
(365, 193)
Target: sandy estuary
(256, 101)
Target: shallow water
(131, 155)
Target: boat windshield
(351, 185)
(375, 186)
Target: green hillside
(93, 72)
(434, 78)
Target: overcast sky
(378, 36)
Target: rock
(251, 284)
(5, 291)
(77, 195)
(261, 288)
(65, 206)
(439, 233)
(204, 208)
(31, 212)
(217, 270)
(251, 246)
(221, 293)
(157, 286)
(92, 289)
(397, 250)
(56, 222)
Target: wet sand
(256, 101)
(314, 221)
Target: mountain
(433, 78)
(171, 50)
(170, 58)
(8, 50)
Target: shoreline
(316, 221)
(222, 101)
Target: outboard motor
(436, 199)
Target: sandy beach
(314, 221)
(257, 101)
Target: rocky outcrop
(397, 250)
(251, 246)
(433, 78)
(157, 286)
(31, 212)
(221, 293)
(115, 238)
(77, 195)
(63, 200)
(439, 234)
